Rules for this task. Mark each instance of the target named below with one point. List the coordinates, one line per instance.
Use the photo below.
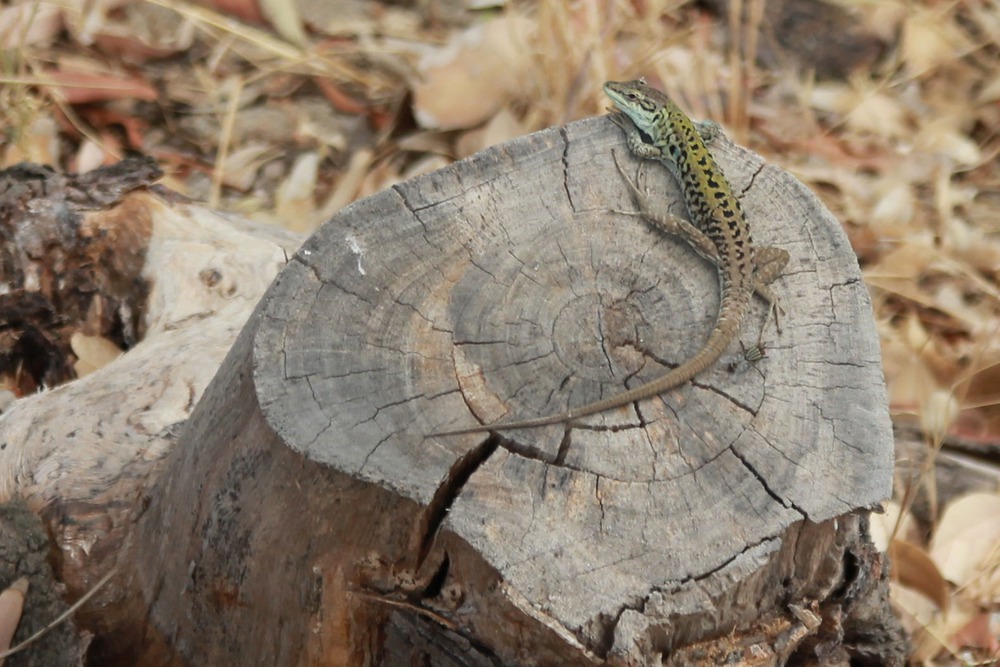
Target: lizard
(657, 129)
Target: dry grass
(285, 127)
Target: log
(304, 517)
(110, 256)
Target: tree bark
(305, 517)
(110, 256)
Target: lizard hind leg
(709, 130)
(769, 263)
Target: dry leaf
(11, 605)
(883, 18)
(915, 569)
(294, 199)
(929, 40)
(941, 136)
(477, 73)
(903, 265)
(90, 156)
(866, 109)
(921, 619)
(878, 114)
(979, 633)
(990, 92)
(40, 143)
(906, 378)
(92, 353)
(966, 545)
(884, 528)
(137, 32)
(939, 412)
(284, 16)
(895, 207)
(79, 87)
(243, 163)
(244, 10)
(503, 126)
(29, 24)
(347, 188)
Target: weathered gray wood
(82, 454)
(504, 287)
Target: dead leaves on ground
(288, 113)
(947, 587)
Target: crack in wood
(448, 490)
(764, 484)
(730, 398)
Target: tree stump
(304, 517)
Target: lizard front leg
(769, 262)
(668, 222)
(708, 129)
(637, 144)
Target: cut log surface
(507, 287)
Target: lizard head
(639, 101)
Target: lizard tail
(723, 333)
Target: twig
(60, 618)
